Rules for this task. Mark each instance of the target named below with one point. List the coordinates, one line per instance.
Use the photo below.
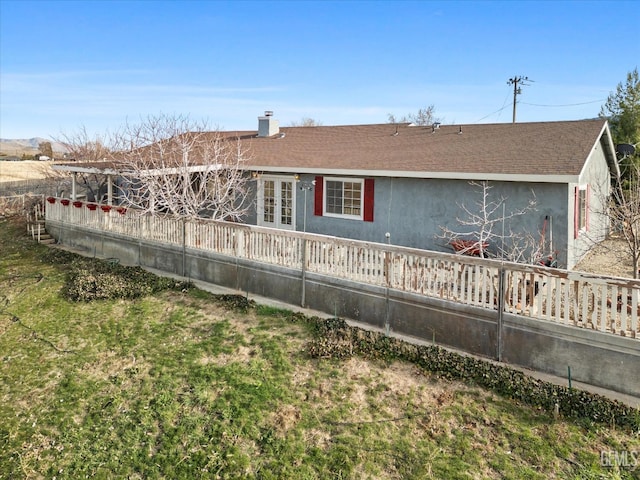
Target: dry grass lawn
(24, 170)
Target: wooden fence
(606, 304)
(19, 204)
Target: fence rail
(18, 204)
(606, 304)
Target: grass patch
(179, 383)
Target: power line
(564, 105)
(504, 105)
(492, 113)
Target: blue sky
(71, 64)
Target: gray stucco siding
(412, 210)
(596, 175)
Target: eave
(499, 177)
(468, 176)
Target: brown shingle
(554, 148)
(541, 148)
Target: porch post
(109, 190)
(73, 186)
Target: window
(581, 210)
(286, 203)
(344, 197)
(269, 201)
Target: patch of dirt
(317, 438)
(610, 258)
(242, 354)
(110, 364)
(395, 388)
(285, 418)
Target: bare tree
(485, 229)
(306, 122)
(82, 147)
(624, 210)
(424, 116)
(174, 166)
(620, 204)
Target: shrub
(91, 279)
(235, 302)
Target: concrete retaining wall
(597, 358)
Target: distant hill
(29, 146)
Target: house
(402, 184)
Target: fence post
(184, 247)
(303, 294)
(237, 242)
(142, 227)
(387, 272)
(501, 293)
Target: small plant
(235, 302)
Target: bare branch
(424, 116)
(174, 166)
(306, 122)
(486, 229)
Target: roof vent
(435, 126)
(267, 125)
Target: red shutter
(317, 206)
(576, 212)
(368, 200)
(586, 208)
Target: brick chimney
(267, 125)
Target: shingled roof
(540, 151)
(543, 149)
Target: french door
(276, 202)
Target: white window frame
(583, 205)
(325, 197)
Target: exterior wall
(596, 175)
(413, 210)
(537, 344)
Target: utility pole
(517, 90)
